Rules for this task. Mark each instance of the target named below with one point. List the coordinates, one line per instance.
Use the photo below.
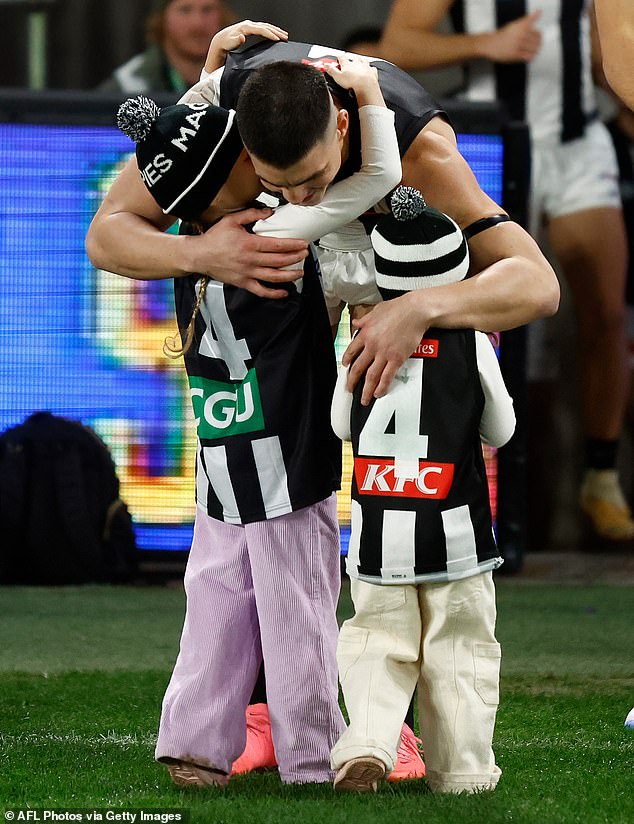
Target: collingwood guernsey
(261, 375)
(420, 498)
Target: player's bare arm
(127, 236)
(411, 41)
(512, 282)
(520, 283)
(615, 19)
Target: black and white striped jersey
(420, 498)
(261, 374)
(554, 93)
(413, 107)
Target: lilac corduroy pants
(262, 591)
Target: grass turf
(83, 670)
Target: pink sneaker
(258, 753)
(409, 763)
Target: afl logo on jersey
(375, 476)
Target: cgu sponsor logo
(376, 477)
(223, 409)
(427, 348)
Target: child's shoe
(258, 752)
(603, 502)
(188, 775)
(409, 763)
(360, 775)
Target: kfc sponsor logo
(376, 477)
(427, 348)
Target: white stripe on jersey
(460, 542)
(317, 51)
(356, 524)
(269, 462)
(479, 18)
(398, 534)
(218, 474)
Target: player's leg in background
(592, 250)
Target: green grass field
(82, 673)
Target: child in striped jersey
(308, 222)
(422, 549)
(253, 539)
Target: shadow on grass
(270, 784)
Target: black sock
(258, 696)
(601, 454)
(409, 718)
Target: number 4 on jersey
(235, 353)
(399, 412)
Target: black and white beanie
(185, 153)
(416, 246)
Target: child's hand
(233, 36)
(355, 72)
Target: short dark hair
(283, 111)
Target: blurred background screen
(87, 344)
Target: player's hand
(229, 253)
(234, 36)
(517, 42)
(386, 337)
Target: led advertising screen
(87, 344)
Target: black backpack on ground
(61, 518)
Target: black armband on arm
(482, 224)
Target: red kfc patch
(375, 476)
